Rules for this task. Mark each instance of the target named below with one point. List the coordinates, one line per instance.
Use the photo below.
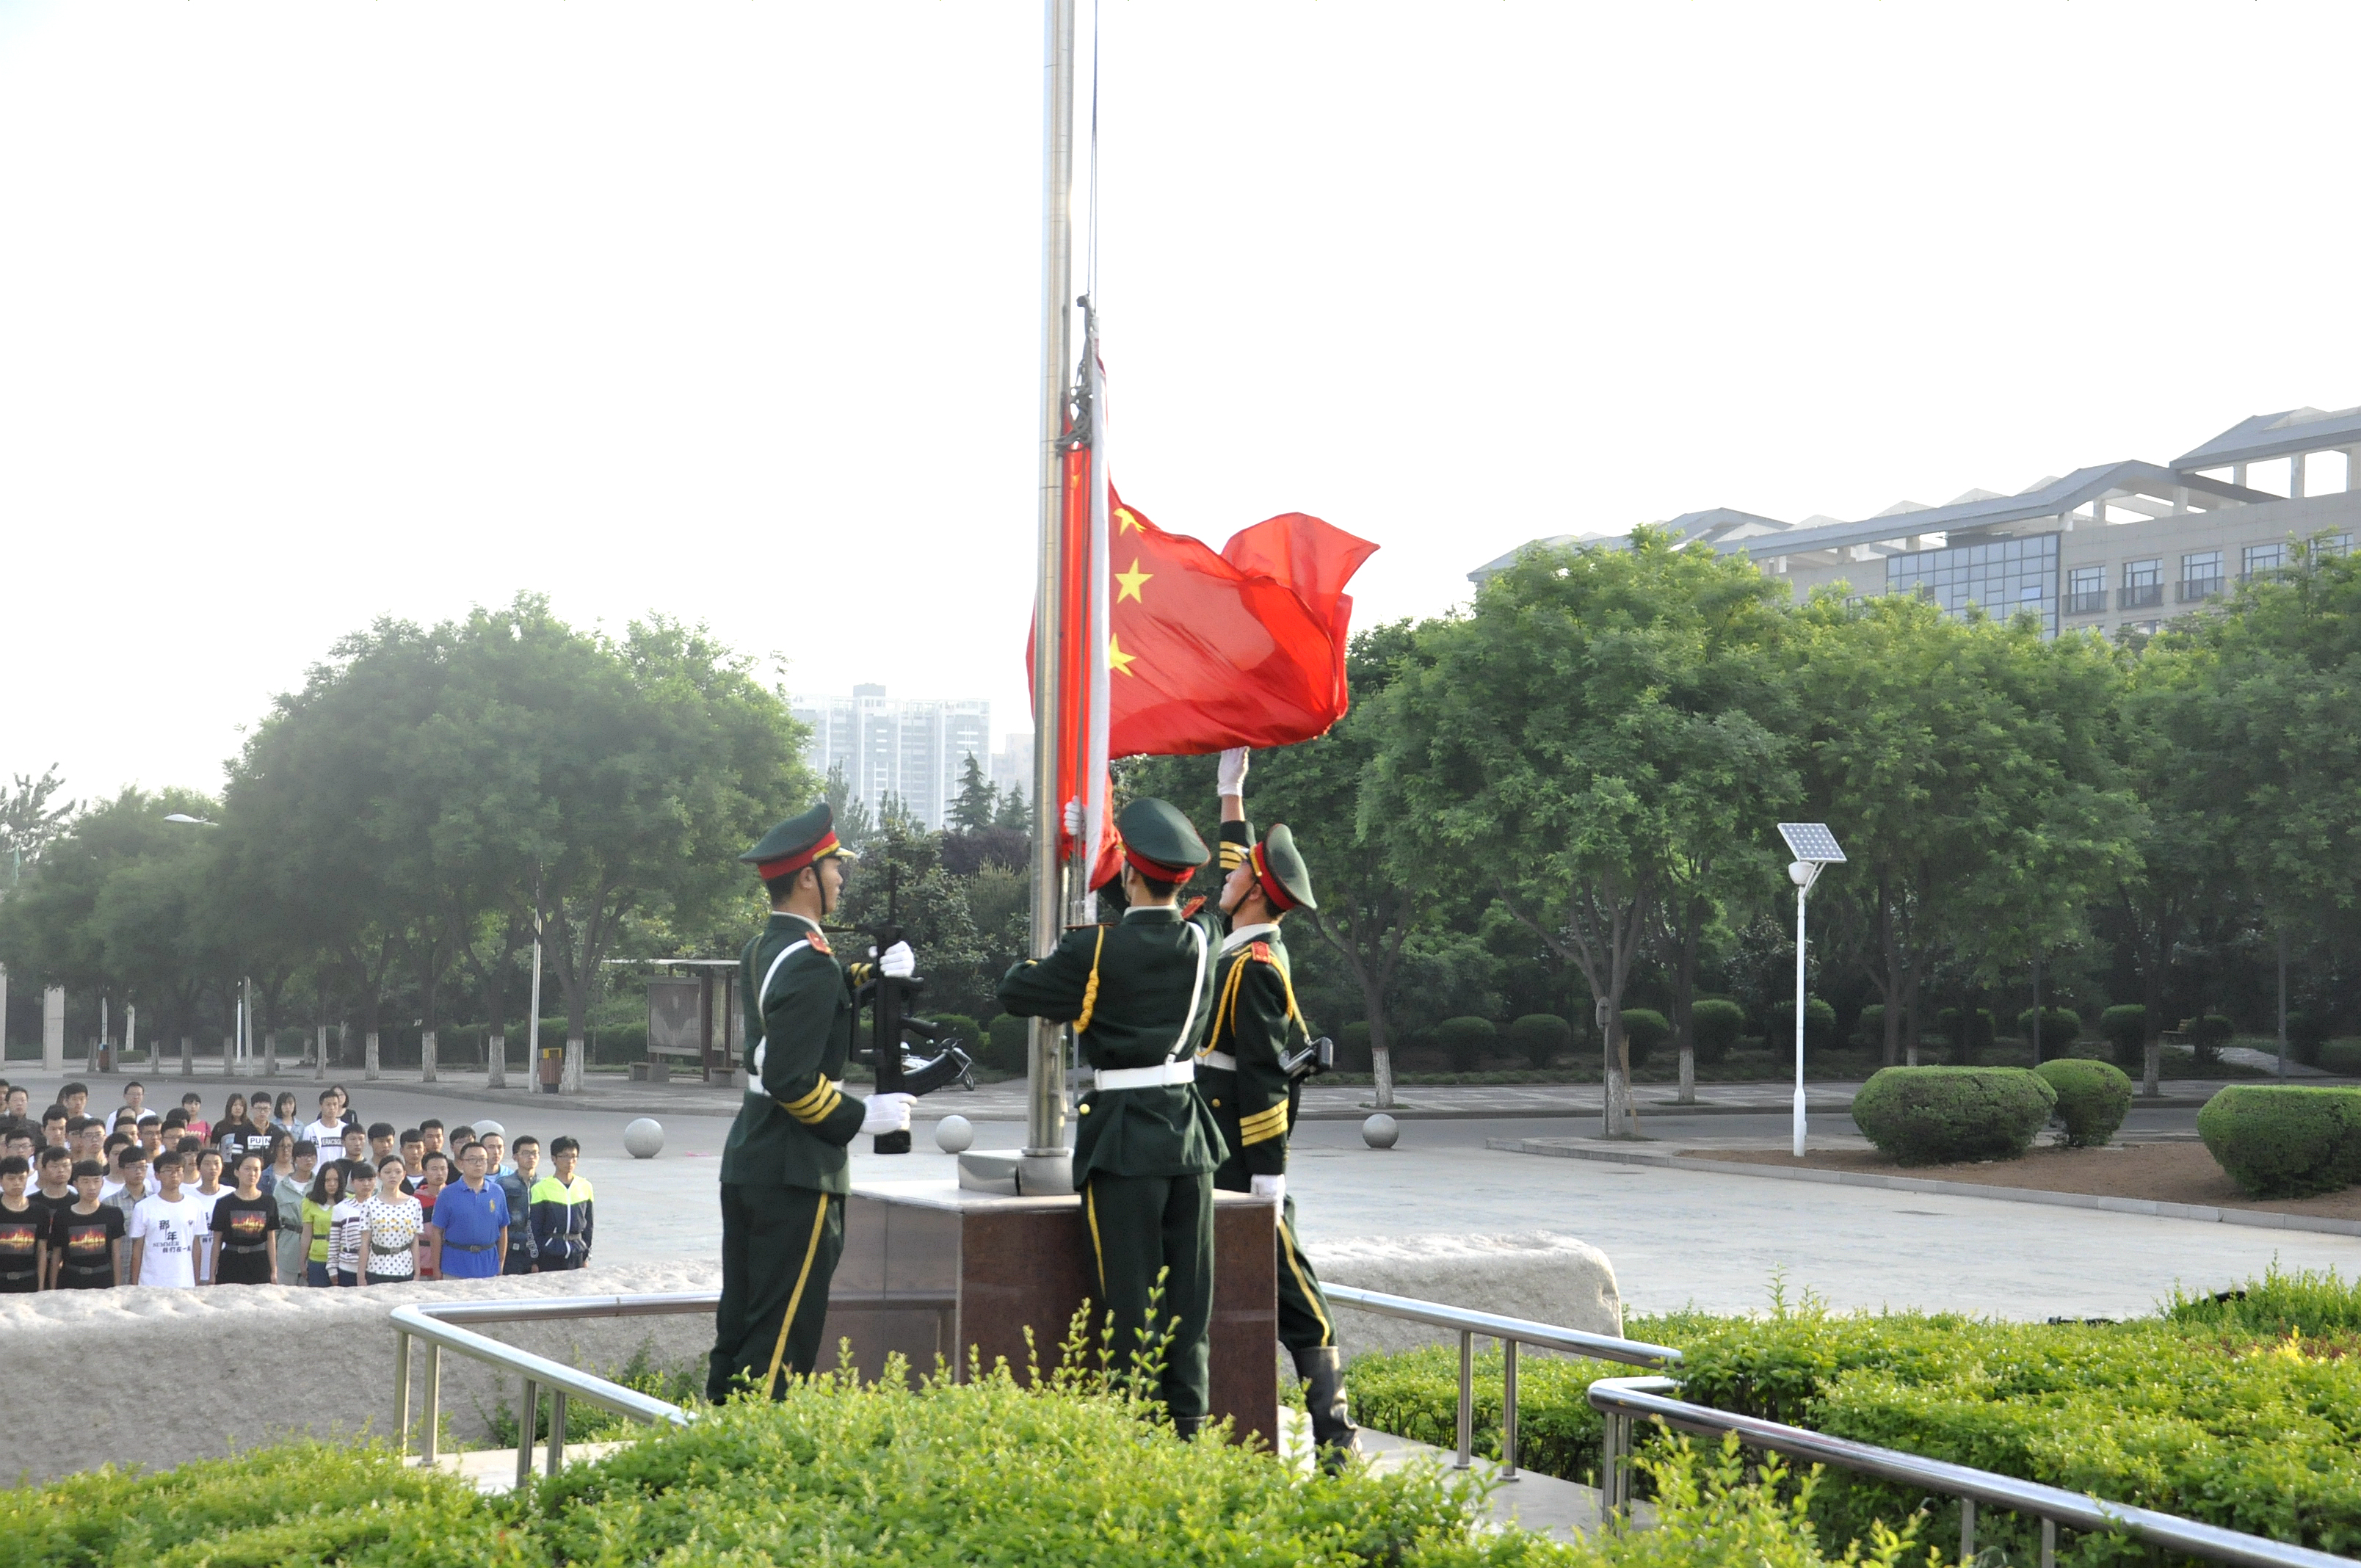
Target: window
(2143, 583)
(2332, 544)
(2260, 558)
(2002, 575)
(2086, 590)
(2200, 576)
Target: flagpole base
(1018, 1173)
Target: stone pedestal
(930, 1270)
(53, 1029)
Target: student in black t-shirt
(86, 1236)
(56, 1191)
(246, 1223)
(23, 1235)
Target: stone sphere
(487, 1128)
(954, 1134)
(1381, 1130)
(644, 1139)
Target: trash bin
(553, 1065)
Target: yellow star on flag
(1131, 581)
(1117, 660)
(1123, 520)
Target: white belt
(1222, 1060)
(1146, 1077)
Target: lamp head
(1801, 872)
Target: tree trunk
(496, 1061)
(368, 1056)
(1685, 995)
(426, 1057)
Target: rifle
(898, 1073)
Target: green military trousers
(1303, 1319)
(1140, 1227)
(779, 1247)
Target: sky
(311, 314)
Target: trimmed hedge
(2208, 1414)
(2092, 1098)
(957, 1027)
(1968, 1032)
(2281, 1141)
(983, 1471)
(1353, 1051)
(1003, 1049)
(2059, 1029)
(1644, 1029)
(1715, 1025)
(1464, 1041)
(1820, 1027)
(1541, 1038)
(2125, 1025)
(1932, 1115)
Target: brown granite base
(932, 1271)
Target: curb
(1546, 1113)
(2260, 1219)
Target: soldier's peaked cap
(1160, 841)
(1279, 867)
(799, 842)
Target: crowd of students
(143, 1197)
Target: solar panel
(1812, 841)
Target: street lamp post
(1815, 849)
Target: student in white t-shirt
(165, 1230)
(328, 1129)
(209, 1190)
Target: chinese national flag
(1246, 648)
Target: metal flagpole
(1045, 1113)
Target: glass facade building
(2002, 575)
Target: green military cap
(798, 843)
(1160, 841)
(1279, 867)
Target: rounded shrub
(953, 1028)
(1969, 1033)
(2059, 1029)
(1541, 1038)
(2207, 1036)
(2307, 1032)
(2280, 1141)
(2124, 1028)
(1869, 1029)
(1353, 1050)
(1932, 1115)
(1715, 1023)
(2092, 1098)
(1645, 1030)
(1819, 1027)
(1004, 1044)
(1464, 1041)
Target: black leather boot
(1323, 1371)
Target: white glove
(1073, 817)
(1271, 1187)
(1232, 772)
(899, 961)
(887, 1113)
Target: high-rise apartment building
(910, 749)
(1012, 765)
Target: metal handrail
(1511, 1333)
(436, 1323)
(1621, 1399)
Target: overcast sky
(315, 313)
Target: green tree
(1014, 813)
(978, 803)
(28, 823)
(1571, 738)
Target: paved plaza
(1675, 1236)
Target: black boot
(1323, 1371)
(1187, 1427)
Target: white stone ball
(644, 1139)
(954, 1134)
(487, 1128)
(1381, 1130)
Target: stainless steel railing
(1511, 1333)
(1624, 1399)
(437, 1324)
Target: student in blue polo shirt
(471, 1220)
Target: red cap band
(1270, 888)
(1156, 870)
(768, 870)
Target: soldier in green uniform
(1139, 993)
(782, 1169)
(1256, 1022)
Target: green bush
(1933, 1115)
(1005, 1044)
(2059, 1029)
(2092, 1098)
(2307, 1032)
(953, 1026)
(1869, 1029)
(1354, 1052)
(2342, 1058)
(2207, 1036)
(2204, 1411)
(1820, 1027)
(1464, 1041)
(1644, 1029)
(2281, 1141)
(1716, 1022)
(1971, 1035)
(2125, 1025)
(1541, 1038)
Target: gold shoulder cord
(1091, 987)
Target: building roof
(2266, 436)
(1714, 526)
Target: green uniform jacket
(1140, 992)
(793, 1127)
(1255, 1018)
